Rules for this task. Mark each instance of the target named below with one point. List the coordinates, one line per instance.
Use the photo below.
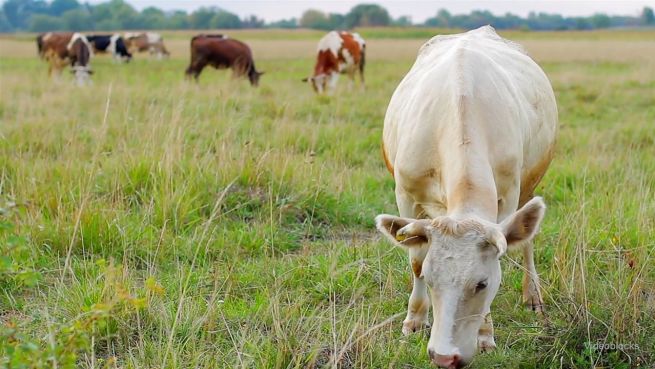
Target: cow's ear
(305, 79)
(404, 232)
(524, 224)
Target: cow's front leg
(486, 341)
(419, 303)
(531, 288)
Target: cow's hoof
(414, 325)
(486, 343)
(534, 303)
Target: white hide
(112, 44)
(331, 41)
(129, 35)
(153, 37)
(473, 90)
(359, 40)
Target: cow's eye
(481, 285)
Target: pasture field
(149, 222)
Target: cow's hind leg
(361, 65)
(531, 288)
(486, 341)
(419, 303)
(351, 77)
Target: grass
(148, 222)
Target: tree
(647, 16)
(115, 15)
(77, 20)
(441, 20)
(45, 23)
(600, 20)
(252, 22)
(225, 20)
(178, 20)
(314, 19)
(403, 21)
(59, 7)
(125, 14)
(364, 15)
(284, 23)
(581, 23)
(19, 12)
(152, 18)
(200, 18)
(336, 21)
(5, 26)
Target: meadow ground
(148, 222)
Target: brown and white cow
(468, 135)
(151, 42)
(338, 52)
(65, 48)
(221, 53)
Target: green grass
(217, 225)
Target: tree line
(71, 15)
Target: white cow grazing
(468, 135)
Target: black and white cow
(113, 44)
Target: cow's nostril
(445, 361)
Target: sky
(417, 10)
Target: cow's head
(253, 77)
(82, 74)
(462, 271)
(123, 55)
(319, 82)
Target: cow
(338, 53)
(221, 53)
(468, 134)
(61, 48)
(113, 44)
(151, 42)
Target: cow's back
(221, 51)
(55, 44)
(473, 92)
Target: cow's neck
(468, 181)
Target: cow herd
(339, 52)
(76, 49)
(468, 134)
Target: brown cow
(62, 48)
(146, 41)
(221, 53)
(338, 52)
